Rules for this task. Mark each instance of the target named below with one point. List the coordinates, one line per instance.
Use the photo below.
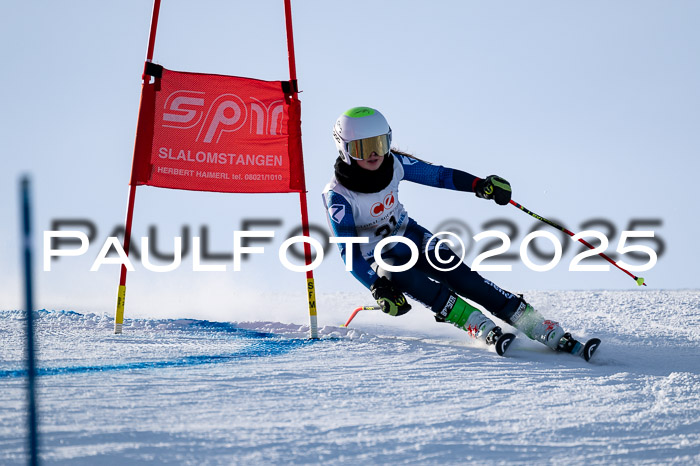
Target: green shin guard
(460, 312)
(467, 317)
(526, 319)
(529, 321)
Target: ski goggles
(361, 149)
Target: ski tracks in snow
(381, 392)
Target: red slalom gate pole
(310, 286)
(121, 293)
(639, 280)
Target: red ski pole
(639, 280)
(361, 308)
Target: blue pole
(29, 307)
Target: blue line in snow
(258, 350)
(261, 344)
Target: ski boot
(501, 340)
(465, 316)
(535, 326)
(568, 344)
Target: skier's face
(372, 163)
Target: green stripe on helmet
(359, 112)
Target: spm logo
(226, 113)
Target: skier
(362, 201)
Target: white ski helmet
(361, 131)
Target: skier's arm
(342, 224)
(492, 187)
(436, 176)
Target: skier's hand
(391, 300)
(493, 187)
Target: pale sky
(590, 109)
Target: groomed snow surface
(403, 390)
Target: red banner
(218, 133)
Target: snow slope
(384, 391)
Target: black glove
(391, 300)
(493, 187)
